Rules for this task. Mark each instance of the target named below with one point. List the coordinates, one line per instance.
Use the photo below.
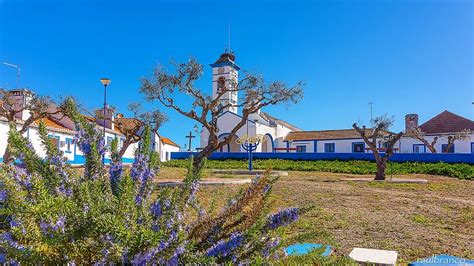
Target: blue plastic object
(306, 248)
(442, 260)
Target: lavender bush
(52, 215)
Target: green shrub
(461, 171)
(52, 215)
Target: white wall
(459, 146)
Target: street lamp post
(105, 82)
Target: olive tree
(379, 131)
(254, 93)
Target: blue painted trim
(315, 148)
(417, 145)
(68, 140)
(472, 147)
(445, 145)
(56, 137)
(326, 139)
(287, 146)
(303, 148)
(310, 156)
(326, 145)
(226, 64)
(355, 143)
(273, 144)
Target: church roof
(271, 119)
(446, 122)
(327, 134)
(226, 59)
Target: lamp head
(105, 81)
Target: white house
(164, 146)
(332, 141)
(225, 73)
(61, 131)
(441, 127)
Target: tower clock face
(220, 70)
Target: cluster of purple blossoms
(58, 162)
(3, 196)
(6, 239)
(282, 218)
(21, 176)
(142, 173)
(85, 140)
(50, 229)
(149, 256)
(115, 173)
(156, 210)
(193, 192)
(225, 248)
(269, 246)
(16, 224)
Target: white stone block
(374, 256)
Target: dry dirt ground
(417, 220)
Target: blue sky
(406, 56)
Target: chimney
(109, 117)
(411, 121)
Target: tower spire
(228, 43)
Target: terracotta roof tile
(326, 134)
(447, 122)
(167, 141)
(52, 124)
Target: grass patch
(461, 171)
(421, 219)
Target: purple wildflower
(155, 210)
(115, 173)
(282, 218)
(270, 246)
(49, 229)
(148, 256)
(3, 196)
(225, 248)
(193, 192)
(6, 239)
(21, 177)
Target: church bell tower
(225, 75)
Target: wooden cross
(190, 137)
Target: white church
(224, 73)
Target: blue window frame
(68, 145)
(419, 148)
(444, 148)
(358, 147)
(301, 148)
(329, 147)
(472, 147)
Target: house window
(444, 148)
(68, 145)
(329, 147)
(358, 147)
(472, 147)
(301, 148)
(54, 140)
(419, 148)
(109, 141)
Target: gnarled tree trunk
(381, 166)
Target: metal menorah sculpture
(250, 144)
